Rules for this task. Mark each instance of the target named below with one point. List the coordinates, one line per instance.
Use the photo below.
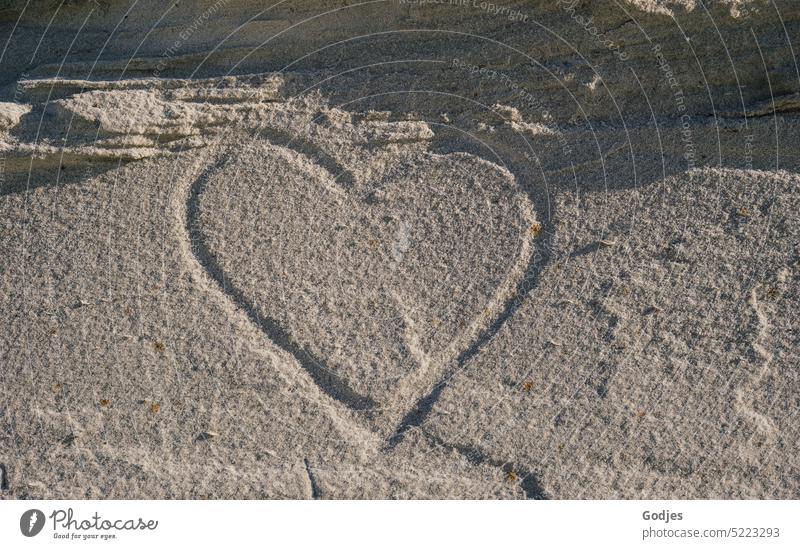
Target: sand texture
(396, 249)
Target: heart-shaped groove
(410, 360)
(324, 378)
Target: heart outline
(435, 375)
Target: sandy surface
(399, 249)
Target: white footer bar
(386, 524)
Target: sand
(544, 250)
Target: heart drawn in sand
(375, 267)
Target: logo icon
(31, 522)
